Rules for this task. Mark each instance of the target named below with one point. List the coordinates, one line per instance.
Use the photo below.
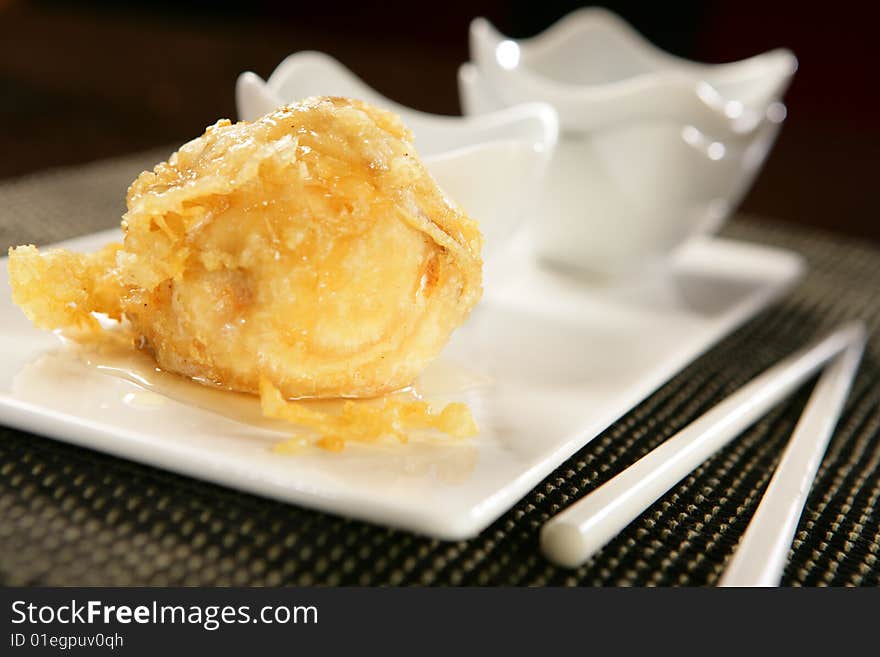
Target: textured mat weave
(70, 516)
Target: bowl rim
(671, 76)
(693, 111)
(535, 123)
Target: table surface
(71, 516)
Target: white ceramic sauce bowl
(653, 149)
(492, 165)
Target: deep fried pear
(310, 248)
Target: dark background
(80, 81)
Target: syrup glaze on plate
(150, 388)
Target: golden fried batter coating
(310, 249)
(60, 289)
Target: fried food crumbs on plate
(360, 421)
(306, 254)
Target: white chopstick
(762, 553)
(573, 536)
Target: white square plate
(546, 363)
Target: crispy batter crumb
(363, 420)
(61, 289)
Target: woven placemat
(70, 516)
